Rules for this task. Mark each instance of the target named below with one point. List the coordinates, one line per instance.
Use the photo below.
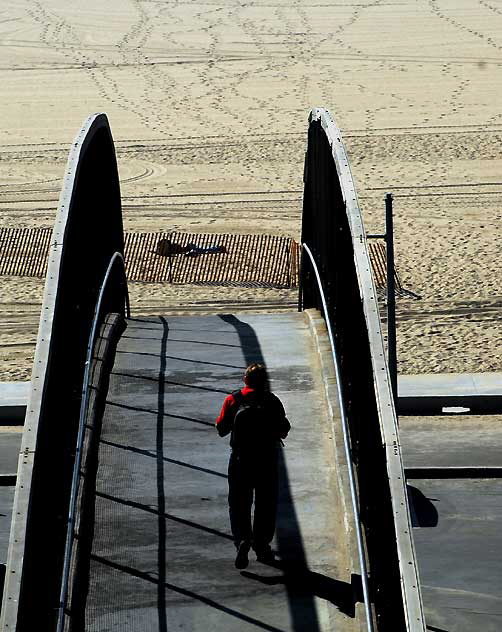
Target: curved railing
(347, 448)
(333, 230)
(117, 259)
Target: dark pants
(250, 476)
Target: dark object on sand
(167, 248)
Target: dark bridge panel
(332, 227)
(88, 230)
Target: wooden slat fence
(159, 257)
(378, 256)
(24, 251)
(208, 259)
(261, 260)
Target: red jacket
(225, 420)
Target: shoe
(265, 556)
(242, 560)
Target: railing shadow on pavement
(185, 593)
(154, 411)
(166, 459)
(179, 359)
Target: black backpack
(254, 426)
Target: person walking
(256, 421)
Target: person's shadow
(303, 583)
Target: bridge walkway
(162, 555)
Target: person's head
(256, 377)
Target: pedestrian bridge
(120, 514)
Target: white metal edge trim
(14, 565)
(387, 417)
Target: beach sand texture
(208, 104)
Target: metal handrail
(70, 535)
(346, 444)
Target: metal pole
(301, 274)
(288, 263)
(169, 244)
(391, 296)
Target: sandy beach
(208, 104)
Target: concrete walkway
(13, 400)
(10, 443)
(163, 558)
(456, 519)
(430, 393)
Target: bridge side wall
(87, 231)
(333, 229)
